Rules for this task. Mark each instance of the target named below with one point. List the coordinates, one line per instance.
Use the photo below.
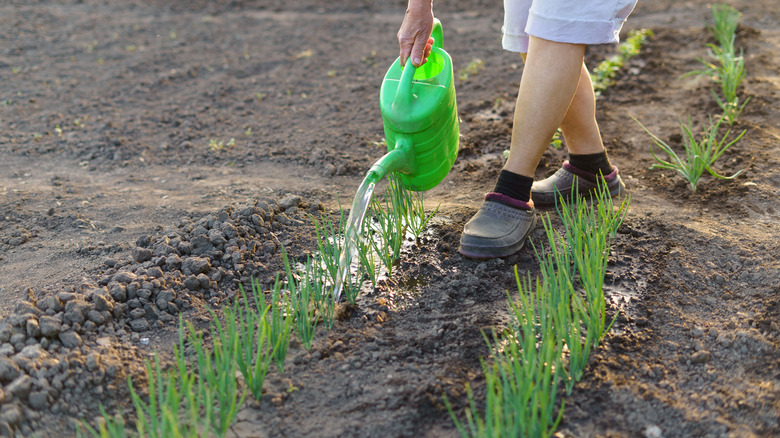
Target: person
(555, 91)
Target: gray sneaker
(499, 228)
(544, 192)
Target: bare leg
(550, 78)
(579, 124)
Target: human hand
(414, 36)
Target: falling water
(352, 231)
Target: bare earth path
(107, 114)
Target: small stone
(21, 387)
(201, 245)
(124, 277)
(39, 400)
(102, 304)
(700, 357)
(51, 302)
(76, 311)
(195, 265)
(154, 272)
(713, 332)
(140, 325)
(34, 352)
(26, 307)
(653, 431)
(11, 415)
(8, 370)
(192, 283)
(217, 238)
(203, 280)
(144, 241)
(6, 332)
(696, 332)
(70, 339)
(290, 200)
(96, 317)
(141, 255)
(50, 326)
(33, 329)
(66, 296)
(93, 361)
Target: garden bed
(126, 204)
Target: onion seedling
(301, 303)
(217, 385)
(315, 275)
(700, 155)
(254, 350)
(160, 417)
(280, 321)
(110, 427)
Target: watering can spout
(400, 159)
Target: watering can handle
(437, 34)
(404, 94)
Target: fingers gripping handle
(404, 94)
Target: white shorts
(563, 21)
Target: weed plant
(700, 154)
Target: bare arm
(414, 34)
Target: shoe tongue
(508, 200)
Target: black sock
(592, 163)
(515, 186)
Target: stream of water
(352, 232)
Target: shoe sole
(589, 196)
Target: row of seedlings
(727, 69)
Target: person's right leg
(588, 160)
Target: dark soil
(117, 216)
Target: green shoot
(109, 427)
(314, 275)
(280, 320)
(416, 219)
(301, 303)
(728, 68)
(471, 69)
(367, 257)
(254, 348)
(160, 417)
(604, 73)
(217, 385)
(700, 154)
(726, 21)
(523, 380)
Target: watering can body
(420, 116)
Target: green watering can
(420, 119)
